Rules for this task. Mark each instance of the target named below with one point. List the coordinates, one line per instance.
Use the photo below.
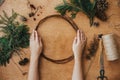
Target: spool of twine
(110, 47)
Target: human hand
(78, 44)
(35, 45)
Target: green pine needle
(75, 6)
(16, 36)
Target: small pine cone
(102, 16)
(101, 5)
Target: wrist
(78, 54)
(34, 60)
(33, 56)
(78, 60)
(78, 57)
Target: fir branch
(75, 6)
(16, 36)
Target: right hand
(78, 44)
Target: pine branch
(75, 6)
(16, 36)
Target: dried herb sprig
(92, 48)
(75, 6)
(118, 3)
(1, 2)
(33, 9)
(91, 9)
(16, 36)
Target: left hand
(35, 45)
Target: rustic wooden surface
(58, 36)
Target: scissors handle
(102, 72)
(102, 76)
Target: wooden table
(58, 36)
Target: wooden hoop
(75, 27)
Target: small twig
(23, 51)
(37, 9)
(33, 9)
(23, 73)
(117, 26)
(1, 2)
(89, 67)
(118, 3)
(19, 55)
(111, 15)
(28, 4)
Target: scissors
(102, 76)
(102, 71)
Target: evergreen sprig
(15, 37)
(75, 6)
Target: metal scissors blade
(102, 71)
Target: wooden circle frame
(74, 26)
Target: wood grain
(57, 37)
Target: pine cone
(102, 16)
(101, 5)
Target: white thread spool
(110, 47)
